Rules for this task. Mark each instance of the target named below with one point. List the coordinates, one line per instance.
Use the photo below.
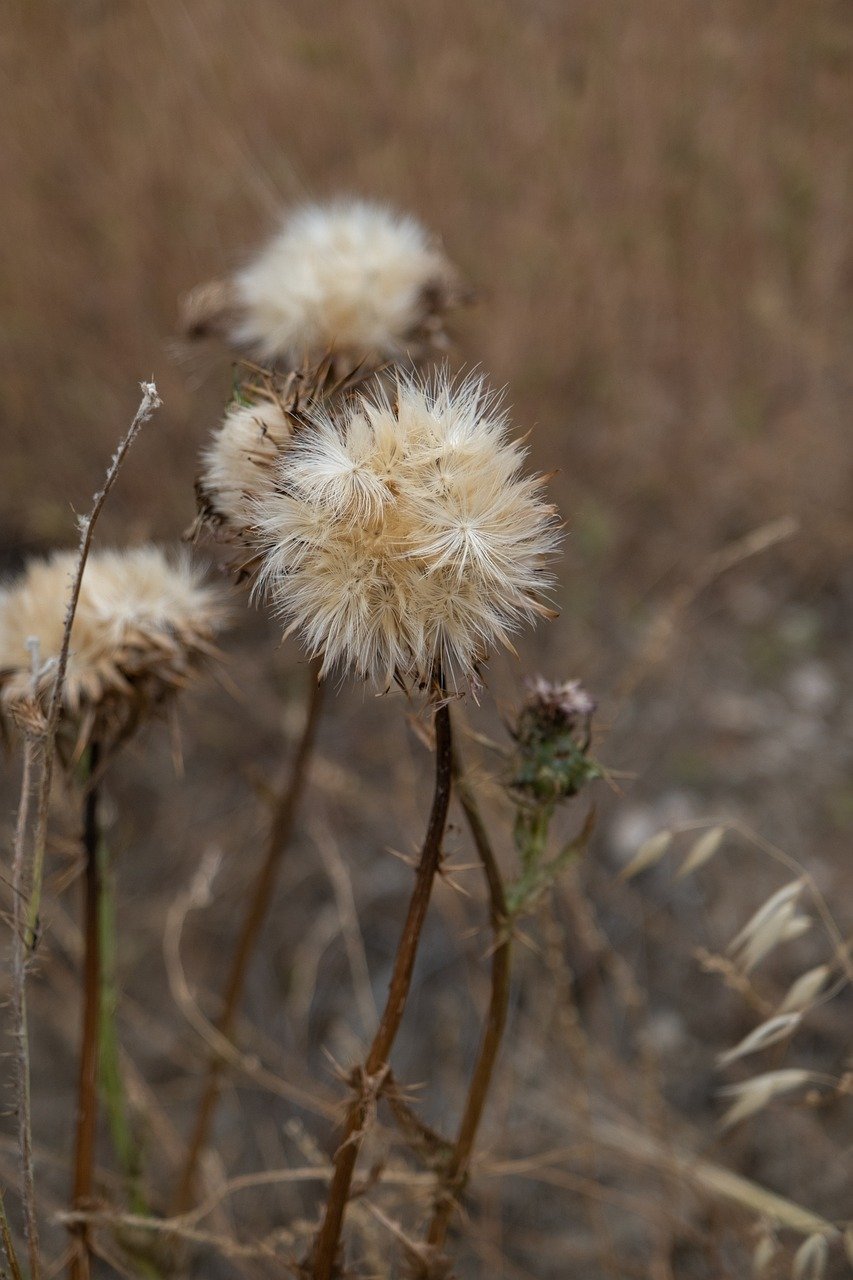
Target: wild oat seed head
(402, 534)
(349, 278)
(143, 624)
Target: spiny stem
(376, 1064)
(278, 838)
(87, 1089)
(456, 1168)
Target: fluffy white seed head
(348, 278)
(402, 535)
(237, 465)
(142, 625)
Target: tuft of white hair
(143, 623)
(402, 538)
(349, 278)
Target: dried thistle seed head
(349, 278)
(238, 464)
(553, 732)
(402, 535)
(142, 626)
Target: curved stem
(375, 1068)
(87, 1088)
(456, 1168)
(278, 838)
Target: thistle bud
(552, 734)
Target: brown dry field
(653, 201)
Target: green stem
(112, 1085)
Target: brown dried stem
(375, 1069)
(87, 1086)
(278, 838)
(456, 1169)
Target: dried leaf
(648, 855)
(802, 993)
(769, 1032)
(703, 850)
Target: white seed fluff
(402, 536)
(349, 278)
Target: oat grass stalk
(90, 1039)
(257, 907)
(372, 1075)
(455, 1171)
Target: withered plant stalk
(148, 404)
(373, 1073)
(90, 1041)
(19, 1015)
(257, 906)
(456, 1168)
(27, 932)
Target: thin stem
(19, 1012)
(8, 1245)
(456, 1169)
(149, 402)
(278, 838)
(112, 1090)
(87, 1088)
(375, 1068)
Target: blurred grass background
(654, 202)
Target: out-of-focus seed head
(143, 625)
(552, 733)
(402, 536)
(350, 278)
